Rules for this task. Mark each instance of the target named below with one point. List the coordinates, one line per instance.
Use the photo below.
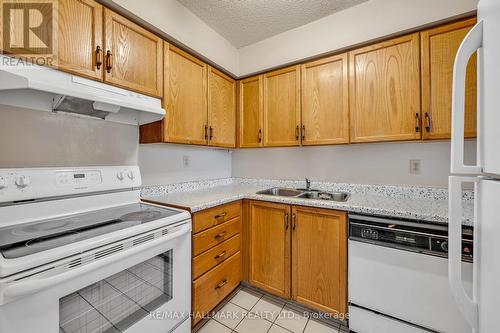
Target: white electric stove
(79, 252)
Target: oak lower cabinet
(269, 238)
(282, 107)
(319, 259)
(439, 47)
(299, 253)
(384, 91)
(325, 101)
(133, 56)
(217, 259)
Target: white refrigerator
(482, 308)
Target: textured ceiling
(244, 22)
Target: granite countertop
(416, 203)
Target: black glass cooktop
(29, 238)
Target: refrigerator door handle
(472, 42)
(467, 305)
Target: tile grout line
(248, 311)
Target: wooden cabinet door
(250, 111)
(136, 56)
(319, 259)
(80, 43)
(385, 91)
(185, 98)
(325, 98)
(439, 48)
(221, 109)
(282, 107)
(269, 231)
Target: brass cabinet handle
(211, 135)
(303, 132)
(221, 215)
(294, 221)
(287, 218)
(206, 132)
(260, 135)
(428, 122)
(417, 125)
(297, 130)
(220, 235)
(98, 57)
(221, 284)
(109, 61)
(220, 255)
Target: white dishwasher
(398, 277)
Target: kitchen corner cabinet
(439, 47)
(269, 239)
(319, 259)
(282, 107)
(250, 112)
(325, 98)
(185, 98)
(385, 91)
(221, 109)
(80, 42)
(133, 56)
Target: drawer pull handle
(221, 215)
(221, 235)
(221, 284)
(220, 255)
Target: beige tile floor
(251, 312)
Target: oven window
(118, 302)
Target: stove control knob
(23, 181)
(444, 246)
(3, 182)
(131, 175)
(120, 175)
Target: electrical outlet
(185, 161)
(415, 167)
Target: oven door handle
(34, 285)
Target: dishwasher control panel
(407, 235)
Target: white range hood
(45, 89)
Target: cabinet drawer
(214, 216)
(214, 286)
(214, 236)
(211, 258)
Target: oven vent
(143, 239)
(108, 251)
(75, 262)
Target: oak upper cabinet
(282, 107)
(133, 56)
(250, 112)
(319, 258)
(439, 47)
(80, 43)
(269, 247)
(384, 91)
(185, 98)
(325, 98)
(221, 109)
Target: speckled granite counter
(425, 204)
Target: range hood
(46, 89)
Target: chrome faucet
(308, 184)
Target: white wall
(43, 139)
(178, 22)
(377, 163)
(163, 163)
(369, 20)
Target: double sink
(306, 194)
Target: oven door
(139, 288)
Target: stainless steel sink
(306, 194)
(281, 192)
(333, 196)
